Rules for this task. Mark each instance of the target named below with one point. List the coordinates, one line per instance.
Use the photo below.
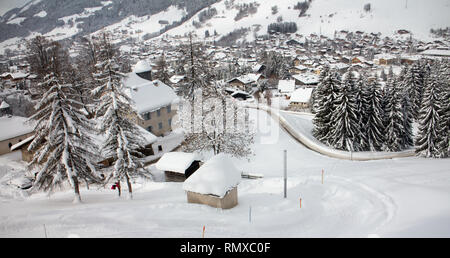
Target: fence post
(285, 173)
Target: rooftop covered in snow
(13, 126)
(286, 86)
(142, 66)
(301, 95)
(176, 161)
(216, 177)
(149, 96)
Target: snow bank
(216, 177)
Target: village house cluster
(244, 74)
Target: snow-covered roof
(245, 79)
(286, 86)
(301, 67)
(142, 67)
(176, 161)
(4, 105)
(436, 52)
(13, 126)
(20, 144)
(307, 78)
(19, 75)
(148, 136)
(176, 78)
(301, 95)
(216, 177)
(256, 67)
(386, 56)
(149, 96)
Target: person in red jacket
(116, 185)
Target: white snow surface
(41, 14)
(139, 26)
(14, 126)
(216, 177)
(407, 197)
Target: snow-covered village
(225, 119)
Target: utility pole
(285, 174)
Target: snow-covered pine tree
(429, 135)
(408, 117)
(374, 127)
(316, 94)
(394, 127)
(413, 81)
(123, 139)
(63, 149)
(162, 71)
(326, 100)
(345, 132)
(407, 109)
(444, 112)
(361, 102)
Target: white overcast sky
(6, 5)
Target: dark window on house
(169, 109)
(10, 145)
(160, 148)
(160, 126)
(170, 121)
(158, 112)
(147, 116)
(150, 129)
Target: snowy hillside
(328, 16)
(417, 16)
(137, 20)
(6, 5)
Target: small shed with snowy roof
(13, 129)
(178, 166)
(143, 69)
(301, 97)
(5, 109)
(214, 183)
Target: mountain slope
(66, 18)
(60, 19)
(328, 16)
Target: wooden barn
(178, 166)
(214, 184)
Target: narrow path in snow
(299, 129)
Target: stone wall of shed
(229, 201)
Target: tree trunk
(130, 189)
(77, 198)
(118, 188)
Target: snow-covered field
(408, 197)
(325, 17)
